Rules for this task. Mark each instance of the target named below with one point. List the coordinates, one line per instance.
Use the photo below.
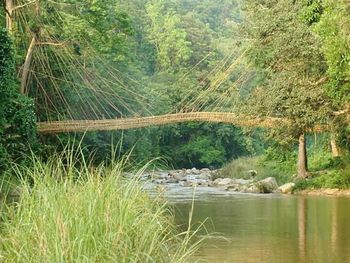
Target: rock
(160, 181)
(242, 181)
(223, 182)
(252, 173)
(286, 188)
(179, 176)
(205, 170)
(216, 181)
(195, 171)
(159, 175)
(253, 189)
(204, 176)
(234, 188)
(172, 181)
(202, 182)
(186, 183)
(268, 185)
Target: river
(267, 228)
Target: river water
(267, 228)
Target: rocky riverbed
(211, 178)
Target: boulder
(234, 188)
(253, 189)
(268, 185)
(223, 182)
(189, 171)
(286, 188)
(195, 171)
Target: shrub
(335, 179)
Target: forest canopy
(111, 59)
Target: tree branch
(22, 6)
(51, 43)
(5, 8)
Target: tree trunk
(26, 66)
(334, 147)
(302, 157)
(9, 8)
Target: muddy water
(267, 228)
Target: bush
(334, 179)
(78, 213)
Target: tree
(287, 52)
(168, 36)
(17, 118)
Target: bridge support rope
(141, 122)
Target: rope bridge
(141, 122)
(88, 91)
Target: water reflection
(302, 224)
(272, 228)
(334, 233)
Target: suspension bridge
(88, 95)
(142, 122)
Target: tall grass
(70, 211)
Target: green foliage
(166, 41)
(312, 11)
(201, 144)
(17, 118)
(288, 53)
(101, 24)
(335, 179)
(333, 29)
(239, 168)
(167, 34)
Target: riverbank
(324, 192)
(210, 181)
(327, 176)
(192, 178)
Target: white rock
(225, 181)
(286, 188)
(268, 185)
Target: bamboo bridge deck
(141, 122)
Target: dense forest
(279, 68)
(94, 60)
